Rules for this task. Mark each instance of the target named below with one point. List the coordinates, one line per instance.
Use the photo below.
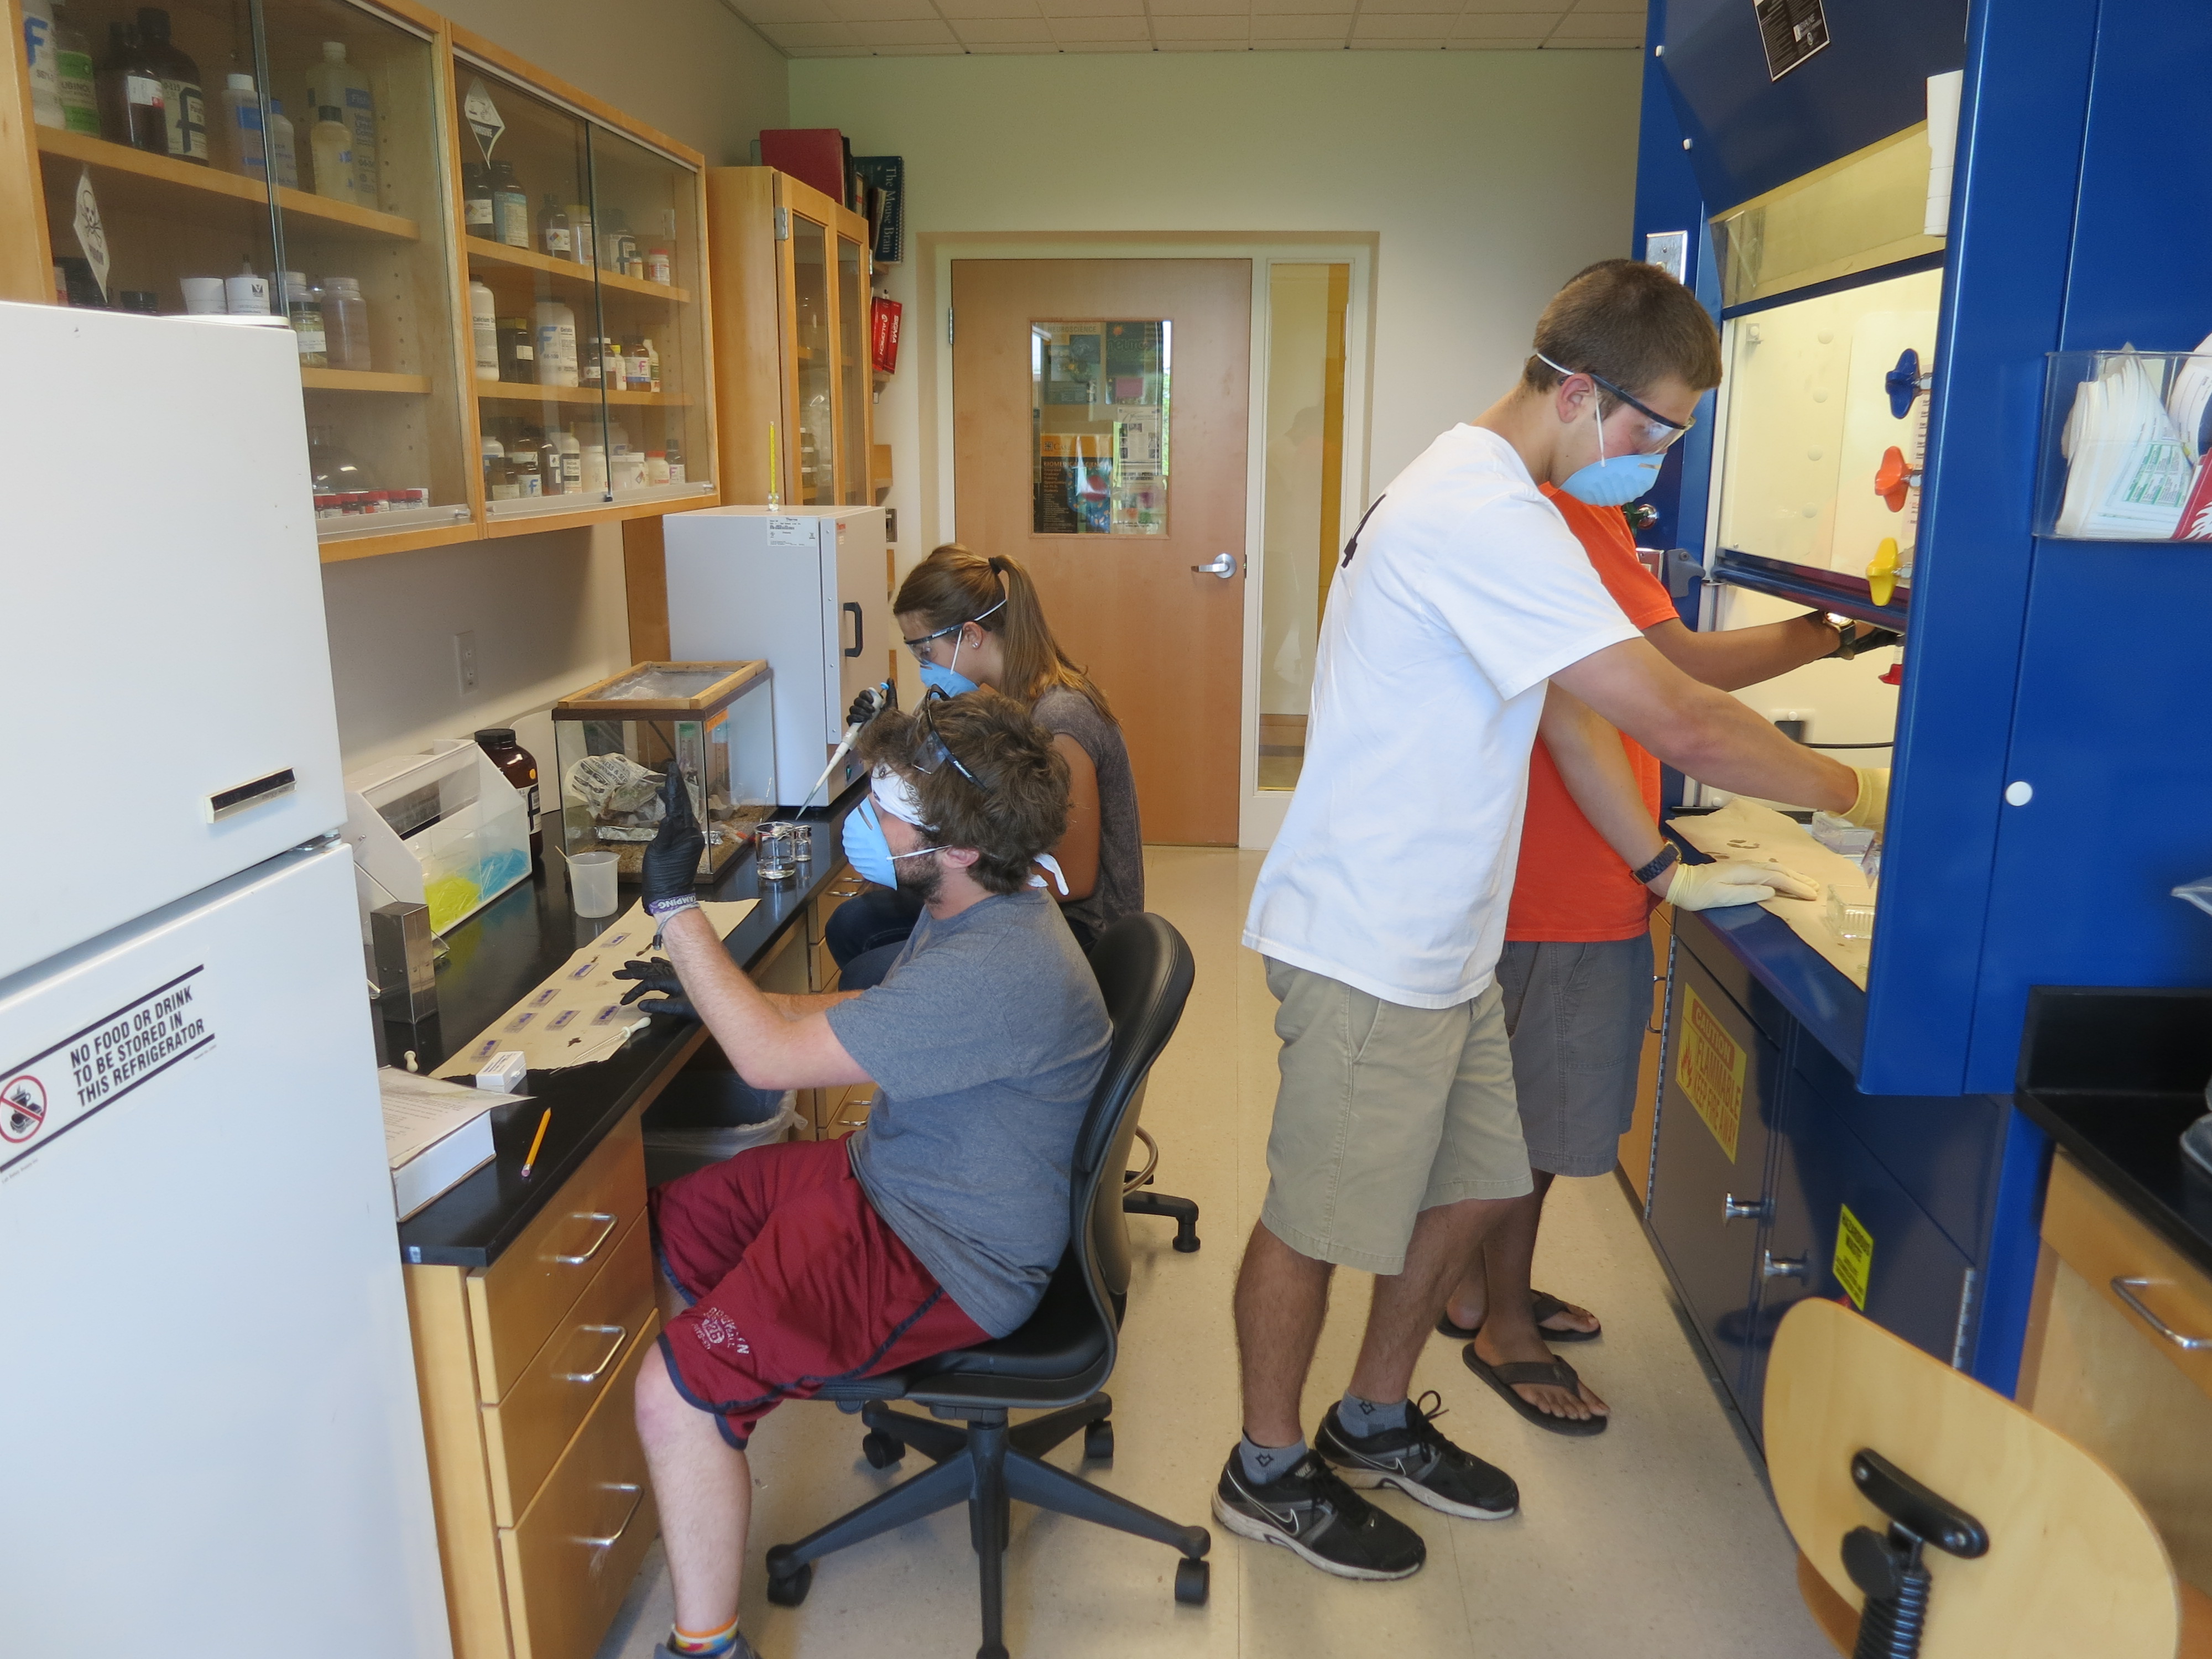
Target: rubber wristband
(661, 909)
(1663, 859)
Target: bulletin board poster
(1099, 412)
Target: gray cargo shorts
(1577, 1013)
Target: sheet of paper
(419, 1111)
(576, 1015)
(1742, 830)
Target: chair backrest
(1145, 971)
(2074, 1565)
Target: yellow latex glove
(1735, 881)
(1872, 806)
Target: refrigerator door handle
(858, 641)
(621, 1334)
(636, 1502)
(606, 1233)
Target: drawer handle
(621, 1334)
(636, 1502)
(2125, 1289)
(1771, 1266)
(606, 1233)
(1739, 1209)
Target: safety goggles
(1659, 436)
(931, 752)
(921, 647)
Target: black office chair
(1135, 1201)
(1056, 1363)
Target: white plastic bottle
(276, 135)
(557, 343)
(331, 144)
(46, 71)
(483, 329)
(242, 143)
(337, 84)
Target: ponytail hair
(956, 585)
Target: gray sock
(1365, 1417)
(1264, 1463)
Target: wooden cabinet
(526, 1370)
(792, 364)
(2118, 1378)
(373, 257)
(1636, 1145)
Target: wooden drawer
(821, 966)
(845, 884)
(842, 1110)
(527, 1431)
(2094, 1234)
(568, 1563)
(515, 1303)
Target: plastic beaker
(593, 884)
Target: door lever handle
(1771, 1266)
(1744, 1209)
(1223, 565)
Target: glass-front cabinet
(587, 353)
(496, 288)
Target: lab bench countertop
(512, 945)
(2114, 1075)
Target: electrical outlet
(465, 660)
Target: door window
(1099, 428)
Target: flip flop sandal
(1542, 1305)
(1557, 1372)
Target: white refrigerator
(808, 592)
(210, 1436)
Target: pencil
(536, 1142)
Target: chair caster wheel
(1098, 1442)
(1186, 1245)
(880, 1449)
(788, 1591)
(1192, 1580)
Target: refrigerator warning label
(1711, 1071)
(1854, 1257)
(61, 1086)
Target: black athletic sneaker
(1420, 1463)
(1310, 1512)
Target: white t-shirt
(1465, 593)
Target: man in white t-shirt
(1381, 910)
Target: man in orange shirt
(1577, 972)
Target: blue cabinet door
(1722, 1077)
(1895, 1263)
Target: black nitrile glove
(871, 703)
(1875, 638)
(671, 857)
(656, 977)
(667, 1008)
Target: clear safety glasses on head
(931, 751)
(1616, 480)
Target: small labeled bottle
(640, 367)
(581, 242)
(283, 157)
(658, 267)
(588, 366)
(652, 364)
(74, 76)
(330, 145)
(553, 237)
(303, 309)
(476, 195)
(518, 351)
(484, 331)
(345, 323)
(510, 206)
(336, 84)
(184, 107)
(675, 457)
(519, 768)
(131, 94)
(39, 52)
(245, 143)
(557, 343)
(572, 462)
(522, 466)
(499, 483)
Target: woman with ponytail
(975, 621)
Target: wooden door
(1163, 641)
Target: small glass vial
(303, 309)
(553, 237)
(345, 324)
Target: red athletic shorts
(793, 1281)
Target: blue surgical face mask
(1617, 481)
(946, 677)
(868, 851)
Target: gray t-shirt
(985, 1041)
(1119, 890)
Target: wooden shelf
(139, 181)
(503, 391)
(355, 379)
(481, 251)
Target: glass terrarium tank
(613, 741)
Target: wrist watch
(1847, 645)
(1663, 860)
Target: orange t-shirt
(1570, 885)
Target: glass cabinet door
(852, 373)
(814, 373)
(362, 217)
(658, 443)
(539, 355)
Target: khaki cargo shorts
(1384, 1111)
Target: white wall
(1490, 177)
(547, 609)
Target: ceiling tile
(1528, 44)
(1395, 45)
(1093, 9)
(1557, 9)
(878, 11)
(1240, 44)
(761, 12)
(1002, 31)
(1388, 26)
(832, 52)
(1334, 26)
(1594, 26)
(1199, 8)
(931, 49)
(1508, 26)
(959, 10)
(1012, 48)
(1431, 8)
(1624, 43)
(1297, 45)
(1065, 29)
(1106, 46)
(1165, 29)
(793, 36)
(932, 33)
(1617, 7)
(1265, 8)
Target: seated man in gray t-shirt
(937, 1226)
